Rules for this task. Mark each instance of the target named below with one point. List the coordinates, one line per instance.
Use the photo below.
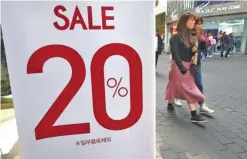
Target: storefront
(235, 25)
(228, 17)
(160, 22)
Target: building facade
(228, 16)
(160, 12)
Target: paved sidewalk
(225, 134)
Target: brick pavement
(225, 134)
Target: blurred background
(228, 16)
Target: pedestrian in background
(181, 83)
(202, 47)
(234, 45)
(209, 42)
(162, 39)
(223, 40)
(156, 47)
(219, 41)
(214, 44)
(159, 48)
(229, 44)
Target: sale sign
(82, 77)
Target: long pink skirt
(182, 86)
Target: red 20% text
(46, 127)
(112, 83)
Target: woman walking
(229, 44)
(204, 109)
(181, 83)
(197, 33)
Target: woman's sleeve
(197, 46)
(174, 44)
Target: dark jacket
(202, 47)
(180, 52)
(160, 44)
(230, 42)
(224, 40)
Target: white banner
(82, 77)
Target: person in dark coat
(159, 48)
(223, 41)
(202, 47)
(229, 44)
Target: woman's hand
(194, 49)
(183, 70)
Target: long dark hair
(198, 20)
(183, 30)
(195, 32)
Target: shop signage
(201, 6)
(174, 15)
(200, 9)
(206, 10)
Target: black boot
(171, 109)
(196, 118)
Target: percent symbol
(113, 83)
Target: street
(225, 134)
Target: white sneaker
(177, 102)
(206, 110)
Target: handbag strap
(194, 58)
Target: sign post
(82, 78)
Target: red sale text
(85, 22)
(36, 64)
(93, 141)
